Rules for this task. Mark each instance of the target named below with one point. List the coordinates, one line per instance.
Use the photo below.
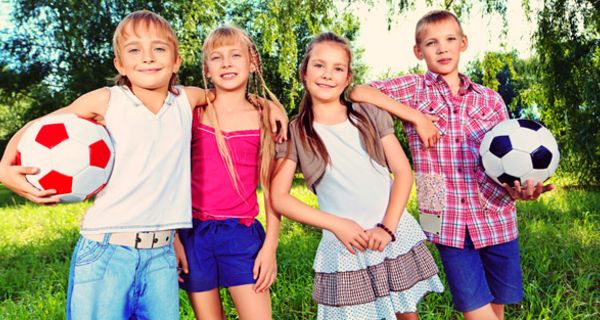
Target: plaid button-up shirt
(451, 183)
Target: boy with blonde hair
(471, 219)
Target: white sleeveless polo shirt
(149, 188)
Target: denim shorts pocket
(169, 256)
(91, 261)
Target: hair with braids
(306, 132)
(228, 35)
(150, 21)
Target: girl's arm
(91, 105)
(265, 265)
(428, 133)
(347, 231)
(403, 180)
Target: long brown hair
(146, 19)
(226, 35)
(306, 132)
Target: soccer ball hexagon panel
(519, 149)
(75, 155)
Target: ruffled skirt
(373, 284)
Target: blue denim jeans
(109, 281)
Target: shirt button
(459, 170)
(455, 111)
(457, 140)
(462, 200)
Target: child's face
(440, 46)
(327, 72)
(229, 67)
(147, 58)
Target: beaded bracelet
(392, 235)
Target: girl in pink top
(232, 151)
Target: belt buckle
(138, 239)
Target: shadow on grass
(9, 198)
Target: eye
(237, 55)
(133, 50)
(429, 43)
(160, 49)
(451, 38)
(318, 65)
(214, 58)
(340, 69)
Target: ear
(177, 64)
(418, 52)
(118, 66)
(349, 79)
(464, 43)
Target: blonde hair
(432, 17)
(145, 19)
(227, 35)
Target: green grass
(559, 237)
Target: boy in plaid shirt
(470, 218)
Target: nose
(226, 62)
(442, 48)
(148, 56)
(326, 73)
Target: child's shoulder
(404, 80)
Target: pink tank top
(214, 196)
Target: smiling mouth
(326, 86)
(228, 76)
(150, 70)
(445, 61)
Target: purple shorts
(220, 253)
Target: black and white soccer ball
(518, 150)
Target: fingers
(350, 248)
(27, 170)
(547, 188)
(431, 117)
(511, 191)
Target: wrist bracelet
(392, 235)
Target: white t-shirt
(353, 186)
(149, 188)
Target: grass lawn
(560, 243)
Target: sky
(392, 50)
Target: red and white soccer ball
(75, 156)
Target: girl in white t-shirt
(372, 262)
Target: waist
(138, 240)
(245, 220)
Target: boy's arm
(91, 105)
(428, 133)
(265, 265)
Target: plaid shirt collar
(467, 85)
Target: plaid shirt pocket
(437, 109)
(479, 122)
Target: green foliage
(568, 42)
(559, 239)
(61, 55)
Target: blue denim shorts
(220, 253)
(108, 281)
(477, 277)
